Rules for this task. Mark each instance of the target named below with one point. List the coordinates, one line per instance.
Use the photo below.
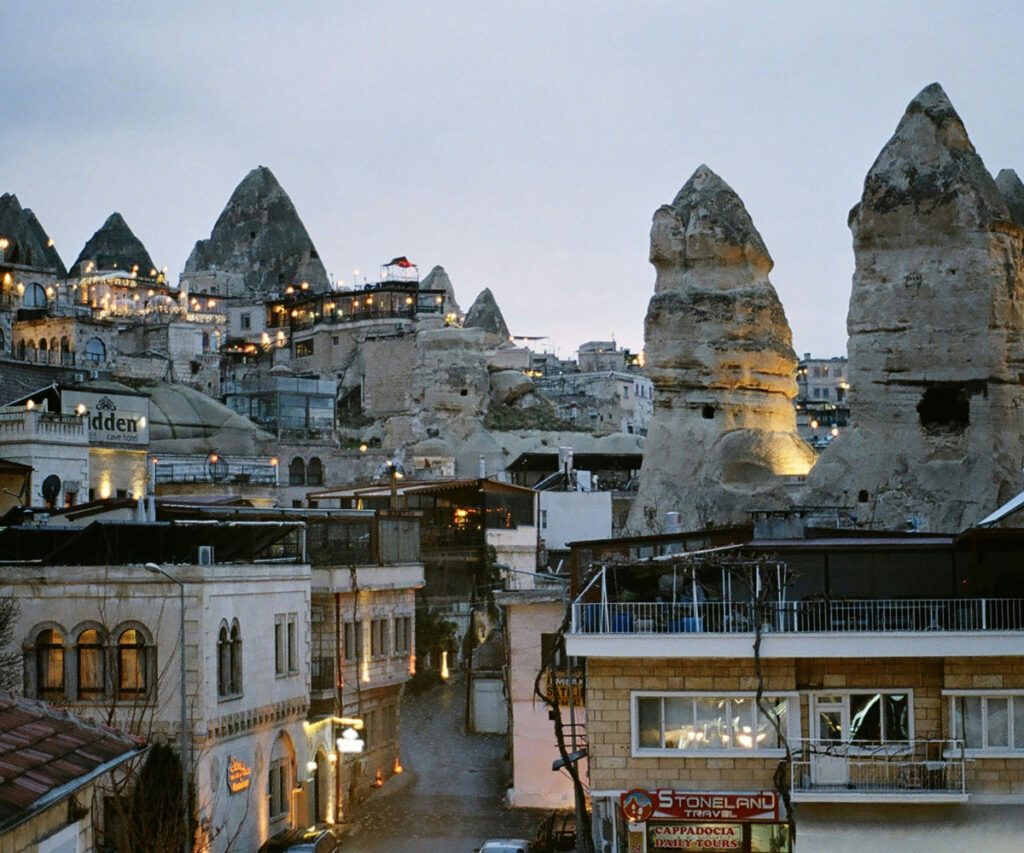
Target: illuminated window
(91, 665)
(131, 665)
(49, 649)
(674, 722)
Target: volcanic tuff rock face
(28, 243)
(719, 351)
(114, 246)
(485, 314)
(935, 352)
(437, 279)
(258, 245)
(1012, 191)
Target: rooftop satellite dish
(51, 488)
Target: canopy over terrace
(123, 543)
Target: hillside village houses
(767, 619)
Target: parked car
(505, 845)
(311, 839)
(556, 833)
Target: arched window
(65, 350)
(279, 782)
(95, 351)
(132, 669)
(55, 350)
(22, 350)
(229, 660)
(44, 348)
(3, 341)
(236, 658)
(315, 472)
(223, 662)
(33, 353)
(297, 472)
(35, 296)
(49, 648)
(92, 669)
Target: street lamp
(186, 735)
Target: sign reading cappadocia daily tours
(666, 819)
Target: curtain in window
(132, 660)
(91, 671)
(50, 662)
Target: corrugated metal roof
(44, 749)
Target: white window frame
(792, 720)
(986, 751)
(845, 693)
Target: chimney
(481, 467)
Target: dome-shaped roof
(183, 420)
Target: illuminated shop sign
(239, 775)
(113, 418)
(666, 819)
(697, 836)
(667, 804)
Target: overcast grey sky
(524, 146)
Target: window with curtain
(49, 663)
(131, 659)
(91, 665)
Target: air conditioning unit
(205, 555)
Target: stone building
(893, 687)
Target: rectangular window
(543, 519)
(378, 637)
(280, 653)
(350, 641)
(992, 722)
(672, 722)
(303, 348)
(865, 718)
(293, 646)
(278, 789)
(245, 321)
(403, 635)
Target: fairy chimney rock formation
(258, 245)
(114, 246)
(485, 314)
(27, 242)
(1012, 191)
(437, 279)
(935, 352)
(719, 350)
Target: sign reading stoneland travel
(669, 804)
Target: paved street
(451, 796)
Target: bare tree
(10, 654)
(584, 833)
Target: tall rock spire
(258, 244)
(719, 351)
(485, 314)
(27, 241)
(114, 246)
(935, 323)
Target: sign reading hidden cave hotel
(114, 419)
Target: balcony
(898, 771)
(809, 628)
(321, 673)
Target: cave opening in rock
(708, 413)
(945, 408)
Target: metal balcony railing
(809, 616)
(895, 767)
